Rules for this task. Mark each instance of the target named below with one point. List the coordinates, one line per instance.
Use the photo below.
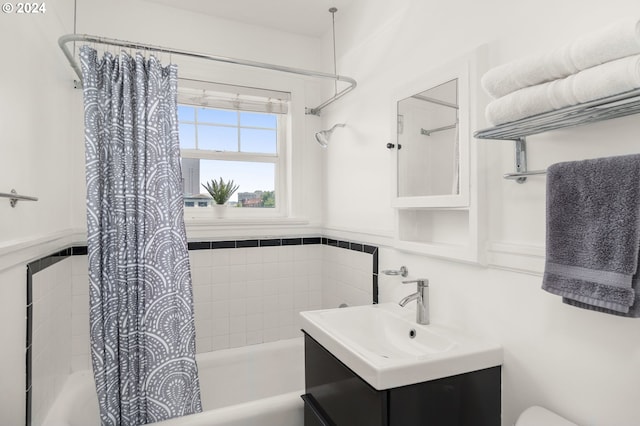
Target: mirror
(429, 143)
(431, 138)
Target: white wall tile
(248, 295)
(52, 345)
(202, 293)
(79, 266)
(237, 273)
(238, 290)
(237, 339)
(220, 292)
(254, 305)
(237, 324)
(204, 344)
(270, 287)
(254, 255)
(271, 334)
(254, 337)
(346, 277)
(220, 342)
(238, 256)
(220, 274)
(254, 272)
(200, 259)
(255, 288)
(201, 276)
(254, 322)
(285, 254)
(237, 307)
(270, 254)
(219, 257)
(220, 309)
(270, 319)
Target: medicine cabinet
(435, 179)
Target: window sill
(243, 221)
(199, 228)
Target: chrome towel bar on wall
(615, 106)
(14, 197)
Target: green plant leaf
(220, 190)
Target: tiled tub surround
(348, 276)
(251, 291)
(250, 295)
(245, 292)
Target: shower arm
(63, 40)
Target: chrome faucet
(421, 296)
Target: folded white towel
(615, 41)
(611, 78)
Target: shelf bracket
(521, 159)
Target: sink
(385, 346)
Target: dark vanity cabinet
(336, 396)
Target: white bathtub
(257, 385)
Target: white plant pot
(219, 210)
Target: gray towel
(593, 232)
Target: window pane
(256, 119)
(218, 138)
(218, 116)
(259, 141)
(187, 135)
(186, 113)
(256, 181)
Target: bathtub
(258, 385)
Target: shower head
(323, 136)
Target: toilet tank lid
(537, 416)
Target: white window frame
(280, 185)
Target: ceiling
(306, 17)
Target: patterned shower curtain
(141, 300)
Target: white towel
(615, 41)
(604, 80)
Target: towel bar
(14, 197)
(427, 132)
(615, 106)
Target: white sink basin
(386, 347)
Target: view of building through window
(233, 145)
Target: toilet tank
(538, 416)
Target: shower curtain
(141, 300)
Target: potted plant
(220, 191)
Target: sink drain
(412, 333)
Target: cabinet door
(343, 396)
(471, 399)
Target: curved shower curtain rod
(62, 42)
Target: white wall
(584, 365)
(36, 123)
(35, 127)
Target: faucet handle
(422, 282)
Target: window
(234, 137)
